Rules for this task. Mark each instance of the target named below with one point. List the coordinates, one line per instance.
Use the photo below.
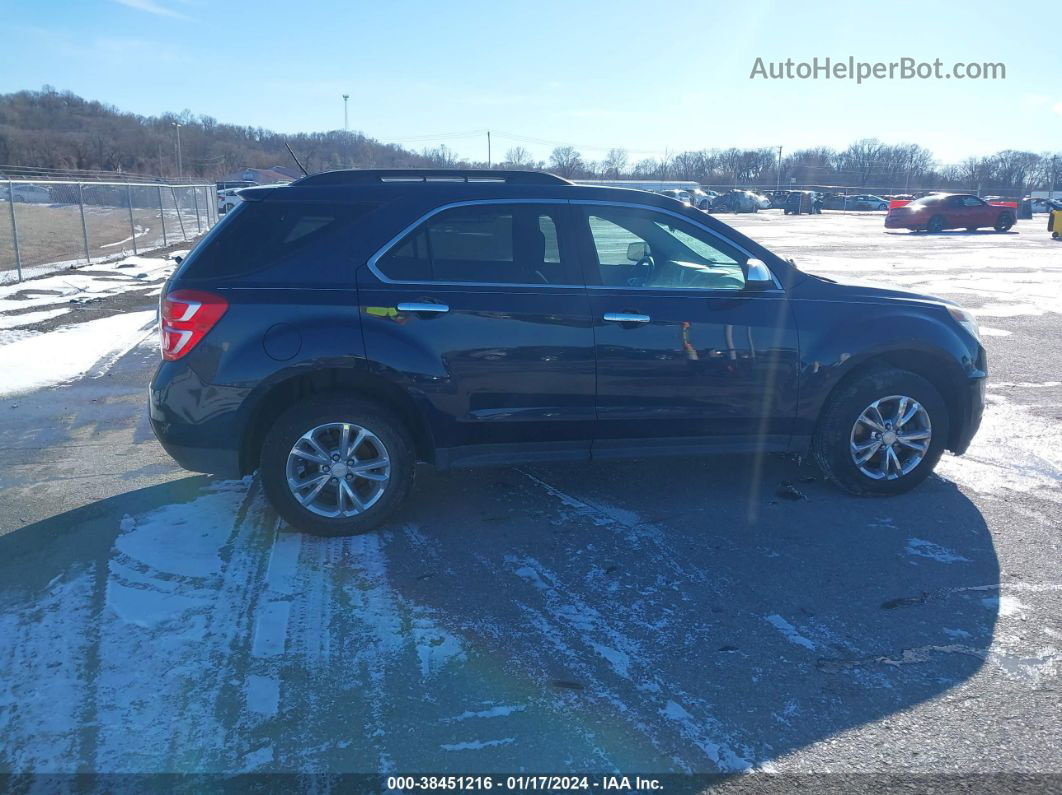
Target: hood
(824, 288)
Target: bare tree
(688, 166)
(518, 157)
(441, 156)
(614, 164)
(566, 161)
(648, 168)
(862, 158)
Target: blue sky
(649, 77)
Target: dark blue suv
(334, 332)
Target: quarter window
(644, 248)
(501, 243)
(256, 235)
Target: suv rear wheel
(882, 433)
(334, 466)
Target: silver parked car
(21, 192)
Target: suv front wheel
(334, 466)
(882, 433)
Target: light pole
(179, 169)
(778, 176)
(345, 119)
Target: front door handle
(437, 309)
(624, 317)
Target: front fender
(838, 338)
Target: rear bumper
(196, 423)
(213, 460)
(900, 223)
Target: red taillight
(187, 315)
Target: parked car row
(861, 201)
(1046, 205)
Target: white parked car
(227, 199)
(679, 195)
(702, 199)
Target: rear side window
(502, 243)
(258, 234)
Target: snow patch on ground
(927, 549)
(789, 631)
(29, 318)
(500, 711)
(477, 745)
(1014, 450)
(1005, 605)
(56, 356)
(105, 279)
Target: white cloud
(1057, 108)
(151, 7)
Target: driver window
(668, 253)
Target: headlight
(966, 320)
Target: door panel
(506, 364)
(702, 366)
(707, 363)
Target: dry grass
(52, 233)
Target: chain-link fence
(47, 225)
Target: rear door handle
(437, 309)
(623, 317)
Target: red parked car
(941, 211)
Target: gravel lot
(658, 616)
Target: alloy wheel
(890, 437)
(338, 469)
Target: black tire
(322, 410)
(831, 446)
(935, 225)
(1004, 222)
(883, 206)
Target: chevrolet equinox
(334, 332)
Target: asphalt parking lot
(717, 615)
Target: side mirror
(178, 259)
(759, 276)
(636, 252)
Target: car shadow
(952, 232)
(652, 616)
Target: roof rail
(369, 176)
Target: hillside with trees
(50, 129)
(60, 130)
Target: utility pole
(1054, 177)
(179, 169)
(346, 125)
(488, 148)
(778, 176)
